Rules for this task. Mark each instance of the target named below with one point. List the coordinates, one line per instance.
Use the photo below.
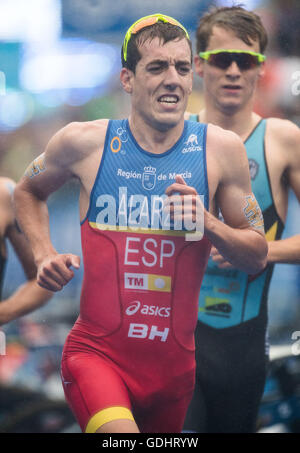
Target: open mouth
(168, 99)
(232, 87)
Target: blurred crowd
(278, 93)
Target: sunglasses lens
(223, 60)
(246, 61)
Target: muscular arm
(28, 296)
(285, 251)
(45, 175)
(241, 238)
(74, 152)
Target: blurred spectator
(288, 30)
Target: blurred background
(60, 62)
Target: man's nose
(171, 77)
(233, 70)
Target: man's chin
(166, 122)
(230, 107)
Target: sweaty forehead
(171, 51)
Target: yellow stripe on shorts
(108, 415)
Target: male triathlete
(231, 350)
(128, 363)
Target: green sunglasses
(146, 22)
(223, 58)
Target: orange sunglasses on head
(146, 22)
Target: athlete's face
(162, 82)
(231, 89)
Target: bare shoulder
(224, 143)
(286, 135)
(284, 131)
(87, 132)
(80, 137)
(227, 161)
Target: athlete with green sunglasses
(232, 328)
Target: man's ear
(126, 78)
(199, 65)
(262, 70)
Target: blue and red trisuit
(131, 351)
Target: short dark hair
(246, 25)
(165, 32)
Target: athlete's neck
(241, 122)
(152, 139)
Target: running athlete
(30, 295)
(232, 318)
(128, 364)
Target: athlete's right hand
(54, 272)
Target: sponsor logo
(117, 140)
(216, 306)
(139, 211)
(147, 310)
(220, 307)
(192, 140)
(253, 168)
(149, 178)
(233, 287)
(122, 133)
(133, 308)
(147, 282)
(128, 174)
(143, 331)
(115, 144)
(191, 144)
(185, 175)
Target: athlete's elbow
(257, 267)
(259, 258)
